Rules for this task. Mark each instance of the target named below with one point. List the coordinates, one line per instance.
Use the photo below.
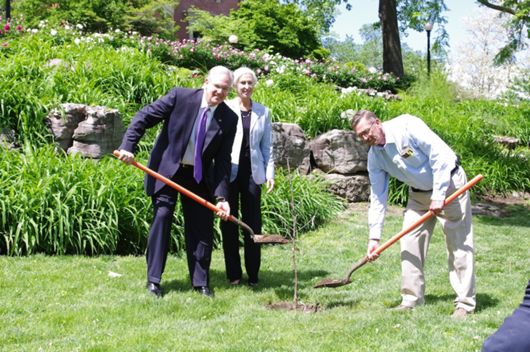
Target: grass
(68, 303)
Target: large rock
(353, 188)
(99, 134)
(87, 130)
(7, 139)
(63, 121)
(289, 143)
(339, 151)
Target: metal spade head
(332, 283)
(270, 239)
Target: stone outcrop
(336, 156)
(7, 139)
(289, 143)
(353, 188)
(91, 131)
(339, 151)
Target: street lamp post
(428, 29)
(8, 9)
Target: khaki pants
(456, 222)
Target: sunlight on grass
(71, 303)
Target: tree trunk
(392, 60)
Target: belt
(455, 169)
(186, 166)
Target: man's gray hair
(221, 70)
(240, 72)
(362, 114)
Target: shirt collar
(389, 137)
(204, 104)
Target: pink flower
(5, 44)
(19, 28)
(6, 27)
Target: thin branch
(497, 7)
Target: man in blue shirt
(407, 149)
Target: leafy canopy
(144, 16)
(263, 24)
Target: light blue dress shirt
(413, 154)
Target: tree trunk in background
(392, 59)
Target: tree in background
(370, 51)
(144, 16)
(396, 17)
(322, 12)
(473, 68)
(261, 24)
(519, 11)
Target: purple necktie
(199, 143)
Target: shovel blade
(332, 283)
(270, 239)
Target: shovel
(396, 237)
(262, 239)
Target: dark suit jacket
(178, 111)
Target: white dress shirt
(413, 154)
(188, 158)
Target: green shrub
(57, 204)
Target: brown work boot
(460, 314)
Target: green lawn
(72, 304)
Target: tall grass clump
(62, 204)
(58, 204)
(312, 204)
(41, 71)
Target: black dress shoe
(154, 289)
(204, 290)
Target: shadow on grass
(281, 281)
(484, 300)
(516, 215)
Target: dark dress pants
(513, 335)
(198, 230)
(245, 192)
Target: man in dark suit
(191, 118)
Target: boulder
(353, 188)
(7, 139)
(87, 130)
(289, 143)
(339, 151)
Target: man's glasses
(367, 131)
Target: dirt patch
(499, 206)
(299, 307)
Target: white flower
(372, 69)
(117, 30)
(79, 26)
(34, 30)
(67, 27)
(77, 41)
(53, 32)
(348, 114)
(269, 82)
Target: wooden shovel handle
(427, 215)
(185, 192)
